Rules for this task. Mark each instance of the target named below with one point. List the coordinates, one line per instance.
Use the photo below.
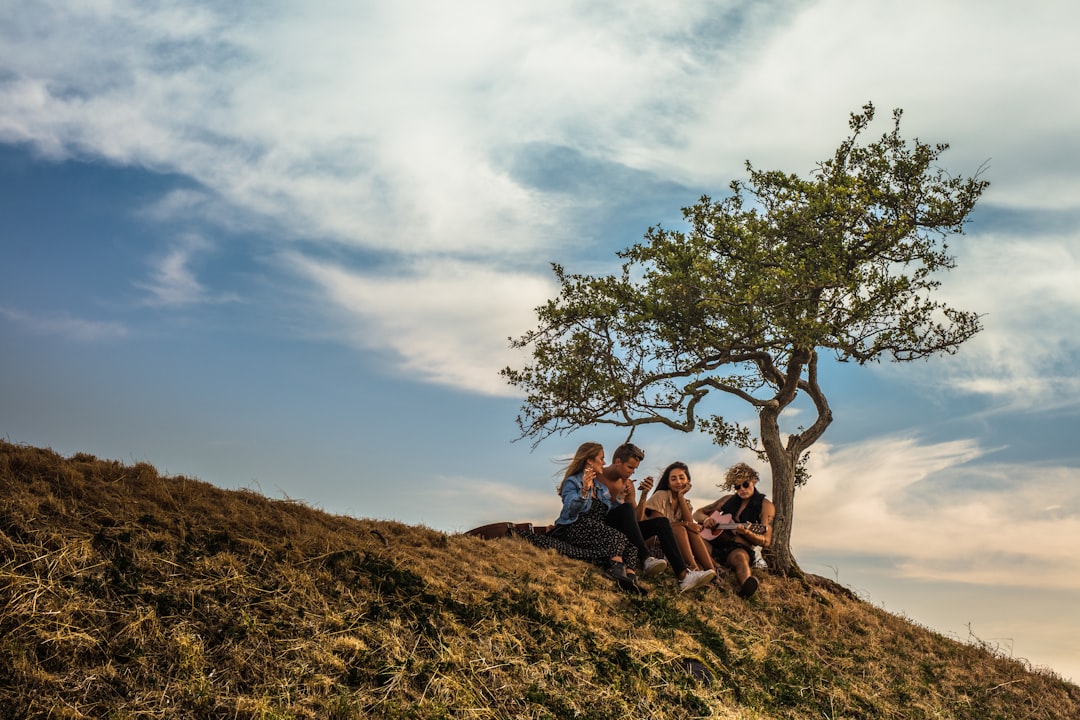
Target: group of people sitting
(604, 521)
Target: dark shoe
(616, 571)
(749, 587)
(630, 585)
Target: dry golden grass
(124, 594)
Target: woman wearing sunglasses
(748, 516)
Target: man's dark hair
(626, 451)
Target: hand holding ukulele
(718, 522)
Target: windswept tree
(744, 301)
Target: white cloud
(989, 78)
(449, 321)
(1025, 287)
(372, 125)
(383, 126)
(173, 282)
(67, 326)
(936, 514)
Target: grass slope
(125, 594)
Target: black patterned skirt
(588, 538)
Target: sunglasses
(743, 484)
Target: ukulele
(726, 522)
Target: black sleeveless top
(750, 514)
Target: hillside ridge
(125, 594)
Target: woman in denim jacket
(580, 527)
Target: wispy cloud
(447, 320)
(66, 326)
(785, 102)
(1025, 287)
(172, 280)
(942, 511)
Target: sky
(282, 247)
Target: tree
(744, 300)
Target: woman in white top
(669, 500)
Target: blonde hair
(585, 453)
(738, 473)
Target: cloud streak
(1024, 288)
(173, 282)
(448, 321)
(941, 511)
(66, 326)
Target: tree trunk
(778, 556)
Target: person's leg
(739, 560)
(700, 551)
(630, 559)
(660, 528)
(621, 517)
(682, 538)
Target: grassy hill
(125, 594)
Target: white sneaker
(695, 579)
(653, 567)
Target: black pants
(622, 518)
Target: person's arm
(701, 515)
(685, 512)
(575, 497)
(639, 506)
(768, 512)
(682, 509)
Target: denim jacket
(574, 504)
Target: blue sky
(281, 247)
